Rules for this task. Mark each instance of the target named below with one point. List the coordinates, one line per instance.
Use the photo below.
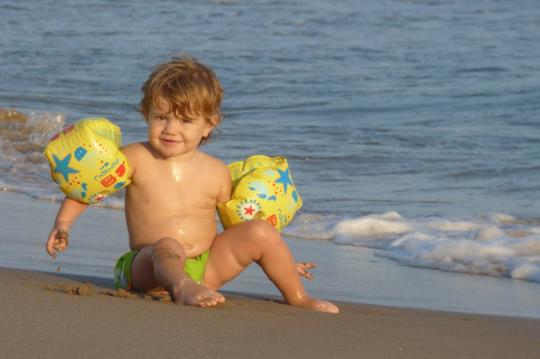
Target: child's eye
(161, 117)
(187, 120)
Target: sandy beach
(40, 320)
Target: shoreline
(49, 324)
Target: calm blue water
(429, 109)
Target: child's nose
(173, 126)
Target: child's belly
(194, 232)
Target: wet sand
(39, 321)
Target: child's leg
(258, 241)
(162, 265)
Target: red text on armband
(108, 181)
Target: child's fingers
(307, 265)
(49, 247)
(310, 265)
(61, 240)
(303, 267)
(58, 242)
(59, 245)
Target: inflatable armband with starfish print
(262, 189)
(86, 161)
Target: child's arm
(226, 185)
(71, 209)
(67, 214)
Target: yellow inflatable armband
(263, 189)
(86, 161)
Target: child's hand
(58, 241)
(302, 269)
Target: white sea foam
(23, 167)
(496, 245)
(374, 231)
(312, 226)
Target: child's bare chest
(177, 191)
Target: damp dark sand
(47, 315)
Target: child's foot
(191, 293)
(318, 305)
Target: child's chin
(170, 154)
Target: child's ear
(214, 120)
(211, 123)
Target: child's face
(174, 136)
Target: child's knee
(167, 248)
(261, 230)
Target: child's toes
(217, 299)
(212, 299)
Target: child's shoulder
(134, 152)
(218, 175)
(133, 147)
(213, 168)
(212, 163)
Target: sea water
(411, 127)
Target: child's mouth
(169, 142)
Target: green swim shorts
(194, 268)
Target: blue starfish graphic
(284, 178)
(62, 166)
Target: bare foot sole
(191, 293)
(319, 305)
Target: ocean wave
(22, 140)
(498, 245)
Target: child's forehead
(161, 105)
